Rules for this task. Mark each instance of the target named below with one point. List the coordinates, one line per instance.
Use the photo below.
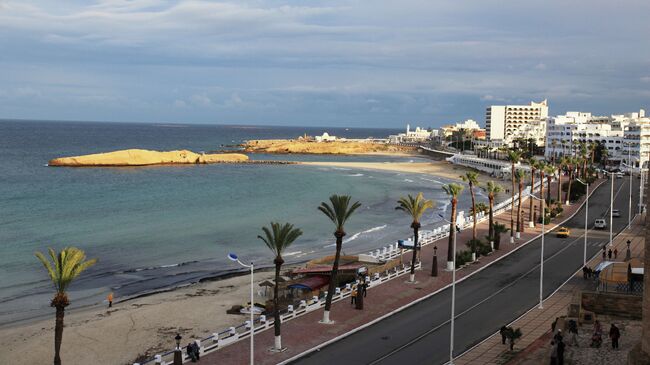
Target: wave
(139, 269)
(355, 175)
(294, 253)
(408, 180)
(432, 180)
(358, 234)
(443, 204)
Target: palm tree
(64, 268)
(554, 145)
(492, 189)
(278, 239)
(513, 157)
(453, 190)
(564, 161)
(481, 208)
(471, 179)
(415, 207)
(541, 168)
(533, 167)
(520, 175)
(550, 172)
(338, 211)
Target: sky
(319, 63)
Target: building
(508, 122)
(412, 136)
(325, 138)
(626, 137)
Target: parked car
(619, 175)
(616, 213)
(600, 223)
(563, 232)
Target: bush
(473, 245)
(462, 258)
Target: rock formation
(136, 157)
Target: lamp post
(611, 208)
(584, 253)
(541, 255)
(178, 353)
(434, 265)
(453, 296)
(233, 257)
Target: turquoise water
(159, 227)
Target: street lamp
(611, 207)
(233, 257)
(629, 208)
(453, 295)
(541, 255)
(434, 265)
(584, 254)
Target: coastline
(143, 325)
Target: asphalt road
(485, 301)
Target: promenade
(536, 323)
(305, 333)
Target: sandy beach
(437, 168)
(132, 330)
(138, 329)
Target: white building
(411, 136)
(325, 138)
(626, 137)
(507, 122)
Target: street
(485, 301)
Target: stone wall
(620, 305)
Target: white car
(616, 213)
(600, 223)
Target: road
(485, 301)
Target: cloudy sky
(327, 63)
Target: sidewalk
(304, 333)
(536, 324)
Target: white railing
(234, 334)
(231, 335)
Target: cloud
(200, 100)
(645, 79)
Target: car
(619, 175)
(600, 223)
(616, 213)
(563, 232)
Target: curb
(366, 325)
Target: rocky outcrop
(136, 157)
(286, 146)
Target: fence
(231, 335)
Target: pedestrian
(614, 335)
(553, 352)
(190, 352)
(110, 299)
(353, 295)
(558, 336)
(573, 333)
(560, 352)
(584, 272)
(604, 255)
(502, 331)
(554, 324)
(609, 254)
(615, 253)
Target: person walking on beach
(110, 299)
(614, 335)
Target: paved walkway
(536, 324)
(304, 333)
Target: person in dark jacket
(502, 331)
(560, 352)
(614, 335)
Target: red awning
(311, 283)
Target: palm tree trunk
(491, 219)
(559, 185)
(519, 223)
(532, 190)
(471, 190)
(58, 334)
(568, 190)
(416, 230)
(335, 270)
(548, 189)
(541, 192)
(452, 233)
(512, 203)
(276, 304)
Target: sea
(162, 227)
